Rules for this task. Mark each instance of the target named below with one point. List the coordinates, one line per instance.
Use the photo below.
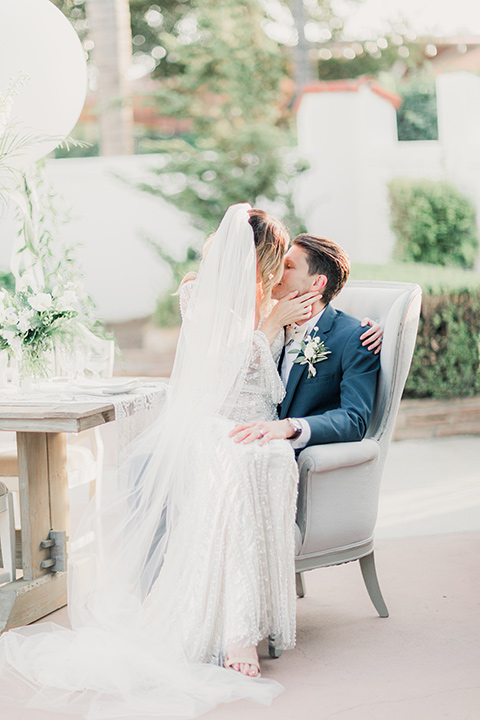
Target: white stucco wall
(348, 137)
(350, 140)
(121, 271)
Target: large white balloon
(37, 40)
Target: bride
(190, 561)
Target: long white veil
(112, 663)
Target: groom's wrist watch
(296, 426)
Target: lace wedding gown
(229, 572)
(193, 554)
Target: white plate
(107, 386)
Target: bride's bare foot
(243, 660)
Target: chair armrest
(323, 458)
(337, 495)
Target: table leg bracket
(57, 541)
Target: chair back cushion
(396, 306)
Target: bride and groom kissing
(189, 563)
(333, 401)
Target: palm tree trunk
(110, 28)
(304, 68)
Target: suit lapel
(298, 371)
(282, 354)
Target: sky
(436, 17)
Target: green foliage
(80, 149)
(7, 281)
(417, 117)
(432, 278)
(167, 313)
(369, 58)
(433, 223)
(230, 89)
(446, 362)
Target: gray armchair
(339, 483)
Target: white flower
(309, 352)
(25, 281)
(9, 316)
(40, 301)
(13, 340)
(23, 323)
(67, 301)
(313, 351)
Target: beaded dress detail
(229, 572)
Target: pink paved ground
(421, 663)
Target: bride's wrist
(271, 328)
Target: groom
(331, 399)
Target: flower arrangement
(32, 320)
(49, 307)
(313, 351)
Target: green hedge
(433, 223)
(446, 362)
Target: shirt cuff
(300, 442)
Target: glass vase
(35, 364)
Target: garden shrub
(446, 361)
(433, 223)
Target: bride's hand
(293, 308)
(373, 337)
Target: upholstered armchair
(340, 483)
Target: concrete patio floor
(421, 663)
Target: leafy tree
(231, 91)
(394, 53)
(167, 312)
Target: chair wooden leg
(7, 538)
(367, 565)
(300, 584)
(273, 651)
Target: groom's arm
(349, 422)
(346, 423)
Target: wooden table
(42, 474)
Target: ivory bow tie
(296, 334)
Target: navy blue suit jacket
(338, 402)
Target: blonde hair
(271, 240)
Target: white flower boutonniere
(313, 351)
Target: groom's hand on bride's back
(373, 337)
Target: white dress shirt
(287, 363)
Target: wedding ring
(261, 433)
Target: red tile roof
(350, 86)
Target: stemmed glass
(96, 361)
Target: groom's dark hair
(325, 257)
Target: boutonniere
(313, 351)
